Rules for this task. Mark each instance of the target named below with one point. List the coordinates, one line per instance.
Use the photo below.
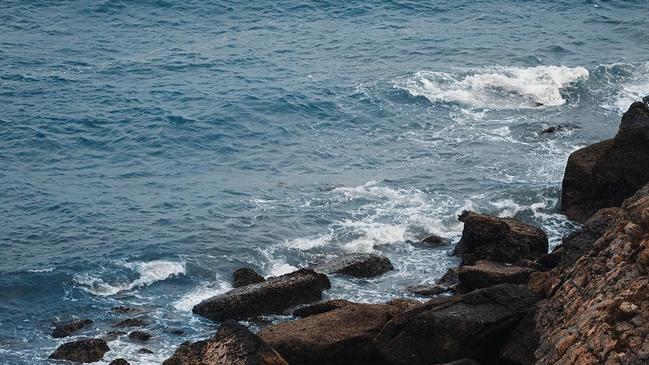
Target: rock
(427, 290)
(66, 329)
(522, 343)
(119, 362)
(244, 276)
(273, 296)
(502, 240)
(145, 351)
(131, 322)
(403, 304)
(322, 307)
(358, 265)
(341, 336)
(141, 336)
(434, 241)
(559, 128)
(124, 309)
(463, 361)
(85, 350)
(113, 335)
(580, 241)
(232, 344)
(602, 175)
(486, 273)
(473, 325)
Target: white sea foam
(495, 87)
(49, 269)
(200, 293)
(307, 243)
(149, 273)
(623, 83)
(280, 268)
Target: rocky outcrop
(473, 325)
(245, 276)
(486, 273)
(496, 239)
(322, 307)
(342, 336)
(273, 296)
(232, 344)
(66, 329)
(602, 175)
(357, 265)
(85, 350)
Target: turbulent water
(149, 148)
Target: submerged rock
(245, 276)
(232, 344)
(66, 329)
(486, 273)
(322, 307)
(273, 296)
(357, 265)
(131, 322)
(141, 336)
(560, 128)
(85, 350)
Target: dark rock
(580, 241)
(403, 304)
(463, 361)
(144, 350)
(141, 336)
(551, 260)
(124, 309)
(232, 344)
(473, 325)
(66, 329)
(429, 290)
(357, 265)
(434, 241)
(486, 273)
(131, 322)
(341, 336)
(119, 362)
(174, 331)
(522, 343)
(273, 296)
(322, 307)
(502, 240)
(602, 175)
(245, 276)
(560, 128)
(449, 278)
(85, 350)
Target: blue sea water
(149, 148)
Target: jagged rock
(322, 307)
(66, 329)
(232, 344)
(358, 265)
(602, 175)
(131, 322)
(119, 362)
(273, 296)
(486, 273)
(473, 325)
(245, 276)
(85, 350)
(141, 336)
(341, 336)
(502, 240)
(429, 290)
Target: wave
(200, 293)
(495, 87)
(624, 83)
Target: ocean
(149, 148)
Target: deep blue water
(149, 148)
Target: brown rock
(322, 307)
(434, 241)
(66, 329)
(403, 304)
(85, 350)
(358, 265)
(245, 276)
(486, 273)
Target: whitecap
(307, 243)
(49, 269)
(200, 293)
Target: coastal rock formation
(602, 175)
(272, 296)
(473, 325)
(232, 344)
(322, 307)
(357, 265)
(66, 329)
(486, 273)
(502, 240)
(245, 276)
(339, 337)
(85, 350)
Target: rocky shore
(510, 302)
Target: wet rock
(322, 307)
(141, 336)
(232, 344)
(486, 273)
(502, 240)
(124, 309)
(119, 362)
(245, 276)
(66, 329)
(447, 329)
(131, 322)
(85, 350)
(427, 290)
(273, 296)
(145, 351)
(434, 241)
(602, 175)
(341, 336)
(560, 128)
(357, 265)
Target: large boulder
(245, 276)
(66, 329)
(233, 344)
(602, 175)
(321, 307)
(339, 337)
(85, 350)
(358, 265)
(496, 239)
(473, 325)
(486, 273)
(273, 296)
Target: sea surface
(149, 148)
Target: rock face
(233, 344)
(66, 329)
(273, 296)
(341, 336)
(245, 276)
(604, 174)
(599, 311)
(318, 308)
(85, 350)
(357, 265)
(486, 273)
(498, 239)
(473, 325)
